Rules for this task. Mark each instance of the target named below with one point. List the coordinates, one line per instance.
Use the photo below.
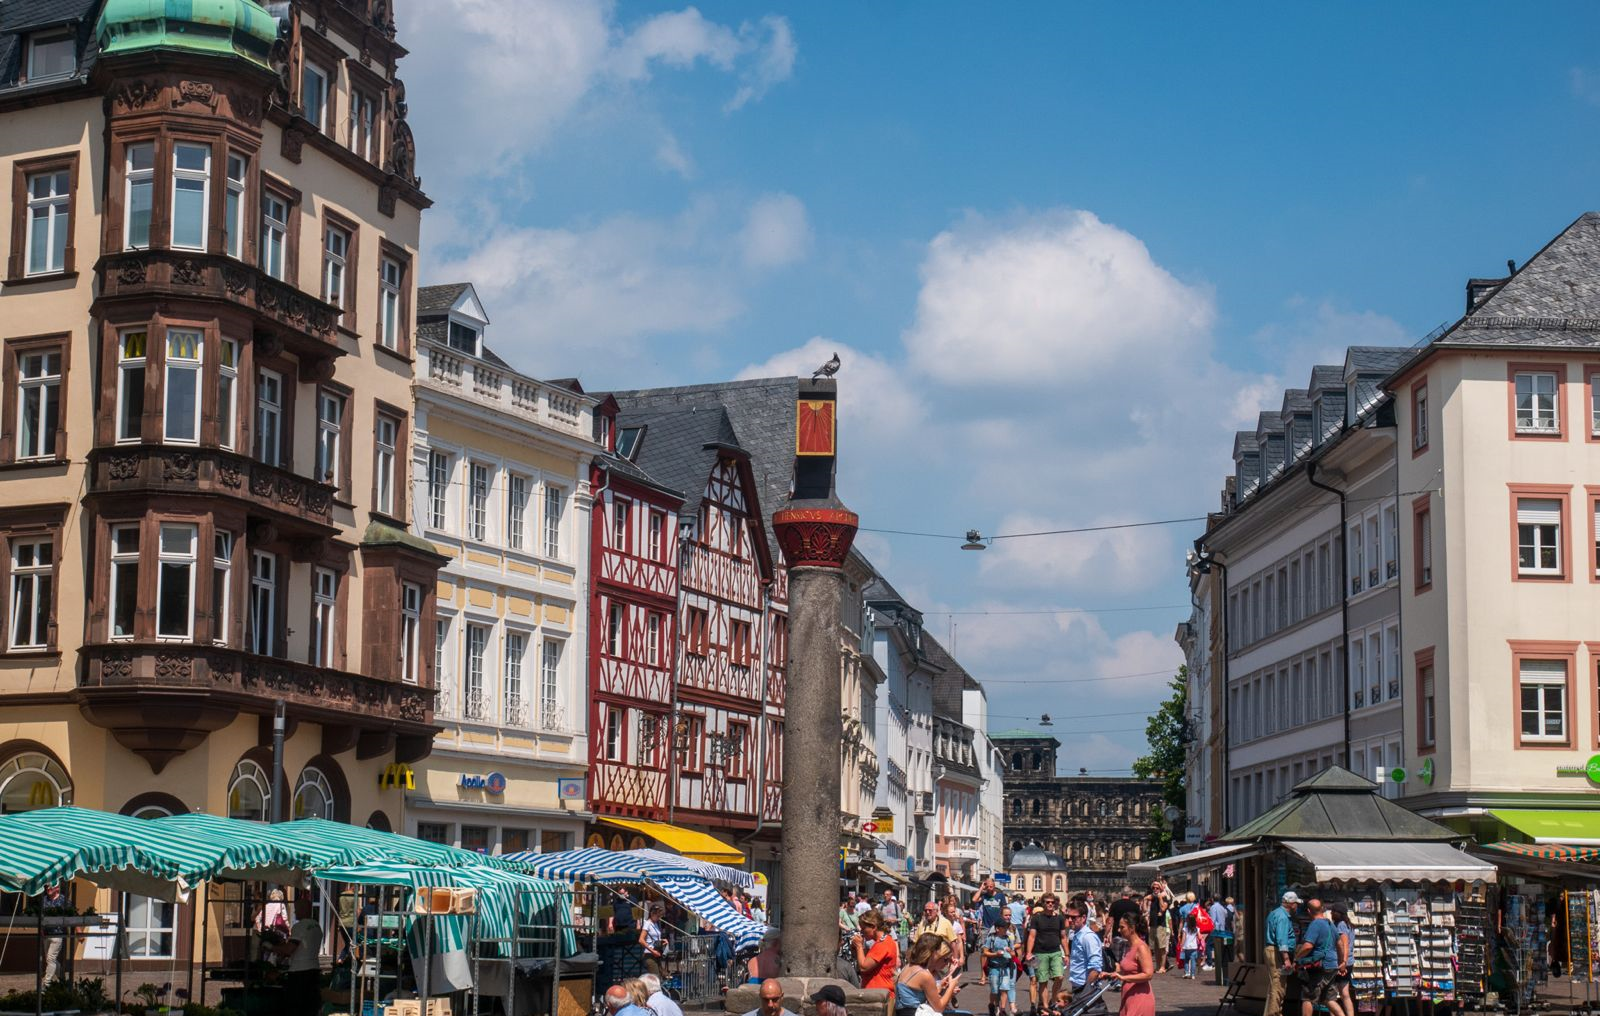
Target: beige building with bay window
(500, 467)
(211, 218)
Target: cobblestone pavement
(1173, 995)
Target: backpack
(1202, 921)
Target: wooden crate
(575, 994)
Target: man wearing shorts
(1045, 934)
(1317, 963)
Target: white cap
(1291, 897)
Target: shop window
(31, 780)
(249, 792)
(475, 838)
(313, 795)
(434, 832)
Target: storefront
(496, 806)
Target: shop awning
(885, 874)
(964, 887)
(718, 872)
(1574, 828)
(1194, 860)
(688, 842)
(1390, 860)
(1546, 851)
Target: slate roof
(620, 465)
(437, 300)
(948, 681)
(1325, 377)
(18, 17)
(1337, 804)
(679, 448)
(1297, 400)
(1021, 735)
(759, 418)
(1034, 857)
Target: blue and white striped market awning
(715, 872)
(700, 897)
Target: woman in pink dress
(1136, 969)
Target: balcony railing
(194, 470)
(344, 696)
(549, 405)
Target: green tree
(1168, 735)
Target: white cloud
(552, 59)
(670, 155)
(1143, 659)
(1059, 300)
(877, 400)
(776, 232)
(1114, 561)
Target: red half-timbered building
(729, 448)
(632, 632)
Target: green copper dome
(236, 28)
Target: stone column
(815, 541)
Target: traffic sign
(1002, 878)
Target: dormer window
(628, 441)
(51, 55)
(605, 431)
(464, 338)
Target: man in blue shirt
(1084, 960)
(1019, 913)
(1280, 943)
(1317, 963)
(1220, 941)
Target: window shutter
(1544, 672)
(1538, 511)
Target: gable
(467, 306)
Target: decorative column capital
(815, 537)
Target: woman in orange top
(877, 955)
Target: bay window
(180, 411)
(324, 603)
(49, 221)
(227, 392)
(38, 403)
(274, 234)
(32, 597)
(233, 206)
(130, 386)
(191, 195)
(263, 602)
(124, 598)
(269, 417)
(138, 199)
(175, 582)
(410, 632)
(221, 586)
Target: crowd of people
(1058, 949)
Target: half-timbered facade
(633, 626)
(729, 449)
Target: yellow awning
(688, 842)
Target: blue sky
(1064, 251)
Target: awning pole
(205, 940)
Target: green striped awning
(173, 851)
(1547, 851)
(32, 860)
(359, 845)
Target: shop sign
(570, 789)
(494, 783)
(1425, 772)
(881, 824)
(1001, 878)
(869, 827)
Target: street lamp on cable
(974, 541)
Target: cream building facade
(212, 221)
(500, 470)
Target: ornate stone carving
(188, 273)
(131, 272)
(294, 139)
(116, 666)
(229, 474)
(136, 94)
(388, 195)
(235, 280)
(123, 467)
(403, 152)
(178, 466)
(174, 667)
(815, 537)
(202, 92)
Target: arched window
(32, 779)
(1105, 809)
(1061, 884)
(380, 822)
(313, 795)
(1016, 807)
(1038, 760)
(152, 923)
(249, 792)
(1016, 844)
(1038, 883)
(1038, 808)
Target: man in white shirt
(304, 950)
(660, 1001)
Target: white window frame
(476, 650)
(335, 262)
(517, 490)
(657, 534)
(1543, 410)
(1419, 417)
(130, 426)
(551, 651)
(438, 489)
(189, 175)
(141, 178)
(330, 436)
(1357, 559)
(616, 620)
(513, 702)
(274, 234)
(179, 363)
(169, 561)
(555, 509)
(38, 401)
(443, 660)
(620, 517)
(386, 442)
(32, 585)
(318, 113)
(1546, 681)
(615, 721)
(1537, 534)
(480, 483)
(41, 39)
(410, 632)
(54, 209)
(262, 636)
(653, 639)
(228, 393)
(324, 616)
(124, 567)
(236, 176)
(221, 585)
(450, 335)
(391, 276)
(363, 115)
(1391, 542)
